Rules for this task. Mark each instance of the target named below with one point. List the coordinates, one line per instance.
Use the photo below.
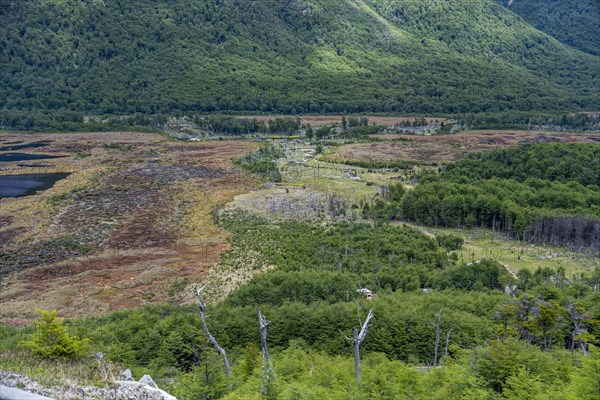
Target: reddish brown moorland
(131, 225)
(448, 148)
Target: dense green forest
(546, 193)
(521, 120)
(574, 22)
(61, 60)
(552, 162)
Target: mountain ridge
(304, 56)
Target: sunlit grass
(484, 243)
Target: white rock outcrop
(146, 389)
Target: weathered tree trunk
(446, 348)
(211, 338)
(579, 328)
(356, 343)
(438, 329)
(357, 339)
(263, 323)
(268, 373)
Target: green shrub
(51, 339)
(450, 241)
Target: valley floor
(131, 225)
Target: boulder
(147, 380)
(126, 375)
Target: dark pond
(24, 157)
(15, 146)
(27, 184)
(34, 165)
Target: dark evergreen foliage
(62, 60)
(545, 193)
(574, 22)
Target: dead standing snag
(268, 373)
(211, 338)
(357, 339)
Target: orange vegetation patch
(131, 225)
(449, 148)
(317, 120)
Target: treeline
(74, 121)
(511, 120)
(350, 127)
(238, 126)
(212, 124)
(537, 162)
(577, 232)
(528, 192)
(502, 204)
(395, 165)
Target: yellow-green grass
(89, 371)
(516, 255)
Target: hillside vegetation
(497, 342)
(73, 57)
(574, 22)
(542, 193)
(501, 333)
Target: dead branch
(268, 374)
(446, 348)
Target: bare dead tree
(438, 329)
(357, 339)
(446, 348)
(268, 373)
(263, 323)
(211, 338)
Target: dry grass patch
(443, 149)
(131, 223)
(317, 120)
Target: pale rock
(126, 375)
(147, 380)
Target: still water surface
(7, 157)
(27, 184)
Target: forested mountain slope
(574, 22)
(304, 56)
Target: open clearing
(513, 254)
(318, 120)
(131, 225)
(449, 148)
